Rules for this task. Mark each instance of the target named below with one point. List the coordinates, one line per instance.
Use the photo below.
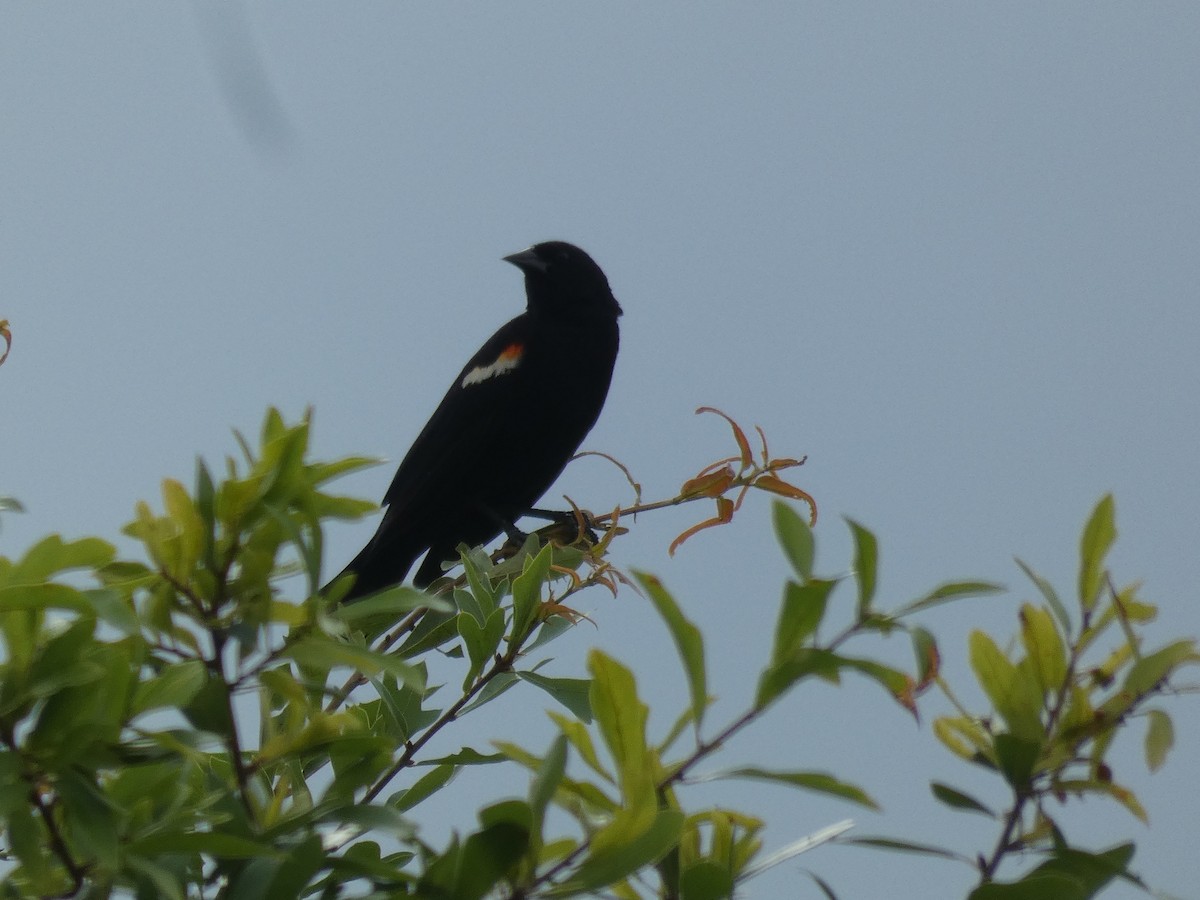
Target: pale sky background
(949, 252)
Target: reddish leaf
(747, 457)
(723, 517)
(712, 485)
(781, 487)
(784, 462)
(766, 453)
(550, 608)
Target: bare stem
(501, 664)
(76, 870)
(989, 866)
(216, 666)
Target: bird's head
(562, 280)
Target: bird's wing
(481, 398)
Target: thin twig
(76, 870)
(703, 750)
(216, 666)
(1013, 818)
(407, 624)
(500, 665)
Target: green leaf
(52, 555)
(800, 613)
(956, 799)
(550, 629)
(819, 782)
(480, 597)
(682, 721)
(111, 608)
(1147, 673)
(211, 843)
(189, 539)
(823, 885)
(866, 556)
(207, 711)
(898, 684)
(90, 818)
(391, 604)
(1122, 795)
(1160, 738)
(467, 756)
(928, 658)
(433, 630)
(609, 864)
(154, 880)
(1012, 692)
(325, 730)
(279, 876)
(513, 812)
(321, 472)
(1046, 589)
(1093, 870)
(549, 776)
(49, 595)
(902, 846)
(206, 509)
(346, 509)
(591, 796)
(14, 790)
(1017, 759)
(466, 601)
(1044, 648)
(424, 787)
(526, 594)
(954, 590)
(780, 676)
(962, 736)
(1049, 886)
(65, 660)
(490, 691)
(81, 717)
(27, 842)
(688, 640)
(706, 880)
(357, 759)
(481, 641)
(371, 817)
(573, 693)
(1098, 536)
(581, 740)
(795, 537)
(328, 654)
(175, 687)
(483, 859)
(621, 717)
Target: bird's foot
(514, 535)
(568, 526)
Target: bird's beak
(527, 261)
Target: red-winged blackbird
(508, 425)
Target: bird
(506, 428)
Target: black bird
(507, 427)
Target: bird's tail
(382, 563)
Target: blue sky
(948, 252)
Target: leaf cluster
(177, 727)
(1075, 680)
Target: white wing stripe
(506, 362)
